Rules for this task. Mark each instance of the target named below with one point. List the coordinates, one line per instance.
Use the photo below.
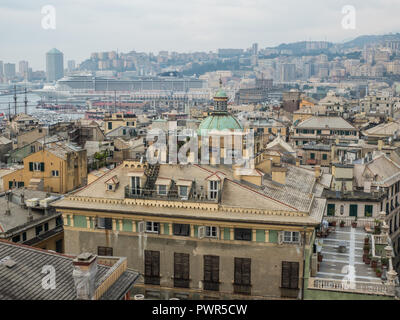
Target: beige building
(57, 168)
(200, 231)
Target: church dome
(219, 122)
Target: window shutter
(215, 269)
(141, 226)
(280, 237)
(185, 266)
(207, 268)
(294, 275)
(202, 232)
(30, 166)
(147, 263)
(246, 271)
(42, 166)
(238, 270)
(155, 263)
(285, 283)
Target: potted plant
(385, 262)
(378, 272)
(319, 257)
(342, 223)
(366, 240)
(333, 223)
(354, 223)
(366, 248)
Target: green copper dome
(219, 122)
(221, 94)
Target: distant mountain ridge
(358, 42)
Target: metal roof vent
(8, 262)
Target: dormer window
(162, 190)
(112, 183)
(163, 185)
(213, 190)
(183, 191)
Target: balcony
(152, 195)
(351, 260)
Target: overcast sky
(87, 26)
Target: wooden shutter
(290, 275)
(285, 283)
(30, 166)
(152, 263)
(42, 166)
(181, 266)
(207, 268)
(246, 271)
(202, 232)
(147, 263)
(294, 275)
(155, 263)
(215, 269)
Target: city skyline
(182, 27)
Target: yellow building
(57, 168)
(119, 119)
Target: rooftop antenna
(9, 112)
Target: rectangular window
(152, 227)
(36, 166)
(331, 209)
(135, 185)
(24, 236)
(213, 190)
(211, 273)
(152, 267)
(16, 238)
(291, 237)
(104, 223)
(104, 251)
(46, 227)
(290, 275)
(242, 276)
(312, 156)
(368, 210)
(181, 270)
(109, 125)
(162, 190)
(243, 234)
(59, 246)
(353, 210)
(55, 173)
(181, 229)
(38, 230)
(324, 156)
(183, 191)
(211, 232)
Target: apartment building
(199, 231)
(58, 167)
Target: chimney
(84, 274)
(380, 145)
(317, 172)
(279, 174)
